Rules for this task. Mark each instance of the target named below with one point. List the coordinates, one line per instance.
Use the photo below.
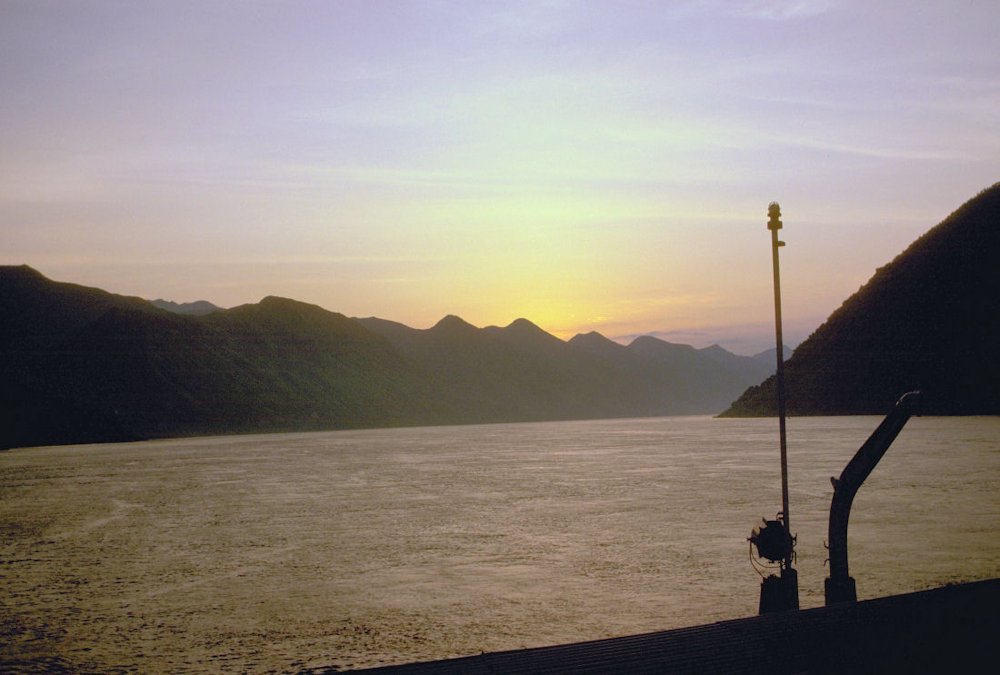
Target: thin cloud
(874, 151)
(784, 10)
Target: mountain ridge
(196, 308)
(80, 364)
(927, 320)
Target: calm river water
(356, 548)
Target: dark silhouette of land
(928, 321)
(82, 365)
(197, 308)
(945, 630)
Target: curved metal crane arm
(840, 586)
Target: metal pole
(779, 593)
(774, 224)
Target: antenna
(774, 540)
(774, 224)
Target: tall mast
(774, 540)
(774, 224)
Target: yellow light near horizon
(564, 259)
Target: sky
(585, 165)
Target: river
(282, 553)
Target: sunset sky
(587, 165)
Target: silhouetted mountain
(196, 308)
(503, 374)
(710, 374)
(37, 312)
(39, 318)
(598, 345)
(522, 372)
(80, 364)
(768, 356)
(929, 320)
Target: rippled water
(288, 552)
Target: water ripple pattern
(283, 553)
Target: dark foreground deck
(955, 629)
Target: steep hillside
(82, 365)
(38, 403)
(929, 320)
(38, 312)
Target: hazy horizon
(586, 166)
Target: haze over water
(347, 549)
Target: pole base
(838, 590)
(780, 594)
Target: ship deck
(955, 628)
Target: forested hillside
(81, 365)
(928, 320)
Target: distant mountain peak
(647, 343)
(275, 303)
(20, 271)
(718, 353)
(595, 343)
(451, 323)
(593, 338)
(769, 355)
(277, 300)
(523, 324)
(526, 328)
(196, 308)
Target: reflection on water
(285, 552)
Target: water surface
(357, 548)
